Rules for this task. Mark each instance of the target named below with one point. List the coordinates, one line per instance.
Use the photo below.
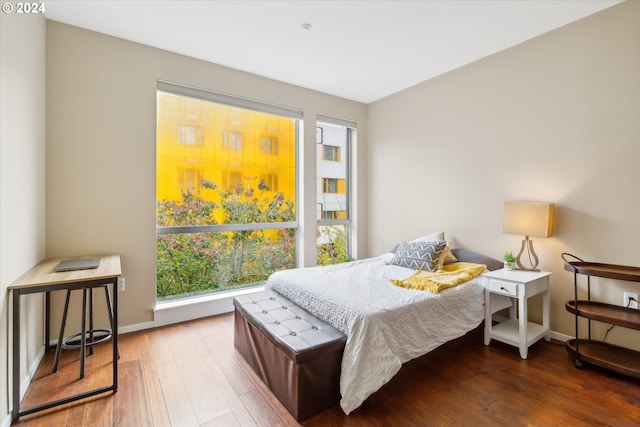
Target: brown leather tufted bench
(297, 355)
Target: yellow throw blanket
(451, 275)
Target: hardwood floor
(189, 374)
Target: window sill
(166, 313)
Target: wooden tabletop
(45, 274)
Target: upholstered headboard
(466, 255)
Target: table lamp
(530, 220)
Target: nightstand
(518, 285)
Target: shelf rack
(609, 356)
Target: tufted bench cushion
(295, 354)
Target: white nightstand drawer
(504, 288)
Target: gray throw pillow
(420, 255)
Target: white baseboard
(136, 327)
(560, 337)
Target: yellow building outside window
(226, 192)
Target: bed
(386, 325)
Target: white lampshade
(528, 219)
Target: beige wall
(101, 158)
(22, 197)
(554, 119)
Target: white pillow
(430, 237)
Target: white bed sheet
(386, 325)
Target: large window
(226, 213)
(334, 138)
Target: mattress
(386, 325)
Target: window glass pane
(333, 240)
(219, 155)
(199, 263)
(332, 170)
(333, 244)
(222, 167)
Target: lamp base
(533, 258)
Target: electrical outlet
(630, 303)
(121, 284)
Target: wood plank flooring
(189, 374)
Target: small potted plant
(509, 260)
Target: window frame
(351, 128)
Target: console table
(44, 279)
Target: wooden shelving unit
(619, 359)
(607, 313)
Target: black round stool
(90, 336)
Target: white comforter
(386, 325)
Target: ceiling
(359, 50)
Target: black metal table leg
(63, 324)
(15, 394)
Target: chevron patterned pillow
(420, 255)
